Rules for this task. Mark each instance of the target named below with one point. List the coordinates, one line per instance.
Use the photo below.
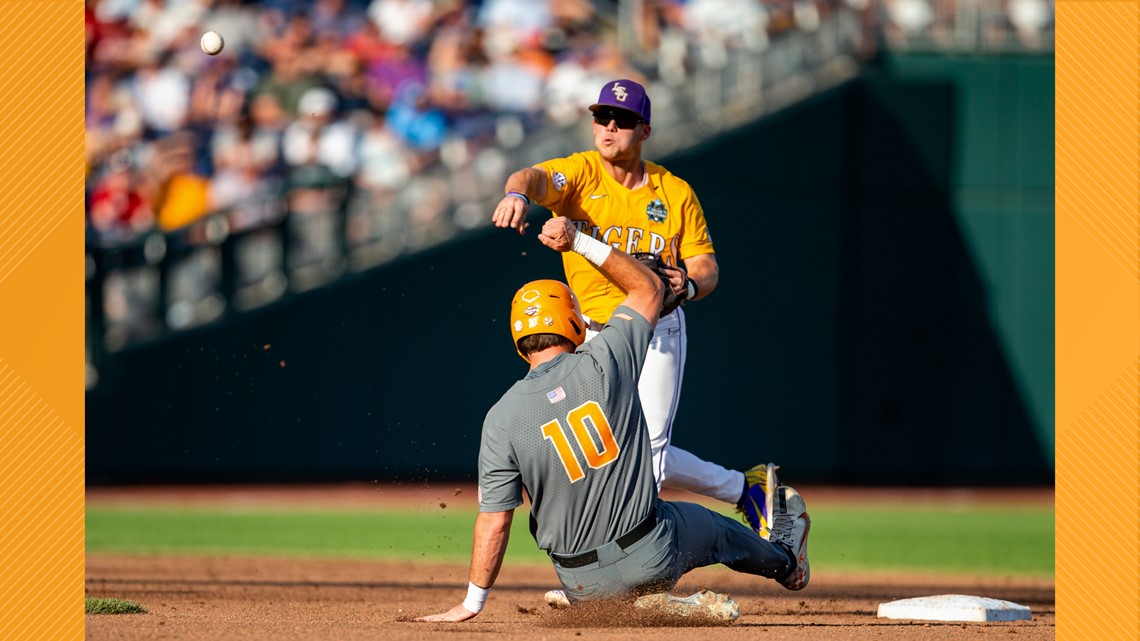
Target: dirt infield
(215, 598)
(200, 599)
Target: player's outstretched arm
(523, 186)
(642, 287)
(492, 531)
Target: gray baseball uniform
(573, 435)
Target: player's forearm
(492, 530)
(527, 181)
(642, 287)
(704, 271)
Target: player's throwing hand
(511, 211)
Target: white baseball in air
(212, 42)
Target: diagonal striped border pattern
(41, 316)
(1097, 540)
(1085, 155)
(1098, 99)
(41, 532)
(1098, 320)
(31, 119)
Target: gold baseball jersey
(662, 216)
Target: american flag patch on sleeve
(555, 395)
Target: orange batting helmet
(546, 307)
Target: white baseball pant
(659, 389)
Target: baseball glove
(653, 261)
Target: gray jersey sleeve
(500, 482)
(622, 344)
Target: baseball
(212, 42)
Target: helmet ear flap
(574, 323)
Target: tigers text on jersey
(662, 216)
(572, 433)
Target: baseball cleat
(557, 599)
(703, 605)
(759, 494)
(790, 527)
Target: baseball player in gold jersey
(634, 205)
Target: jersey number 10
(581, 418)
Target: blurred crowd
(367, 91)
(372, 92)
(334, 135)
(966, 24)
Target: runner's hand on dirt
(458, 613)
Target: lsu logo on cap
(619, 92)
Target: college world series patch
(656, 211)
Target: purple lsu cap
(624, 94)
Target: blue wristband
(519, 194)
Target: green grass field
(1014, 541)
(111, 606)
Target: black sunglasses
(624, 119)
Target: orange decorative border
(1098, 320)
(1097, 341)
(41, 319)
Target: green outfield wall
(885, 315)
